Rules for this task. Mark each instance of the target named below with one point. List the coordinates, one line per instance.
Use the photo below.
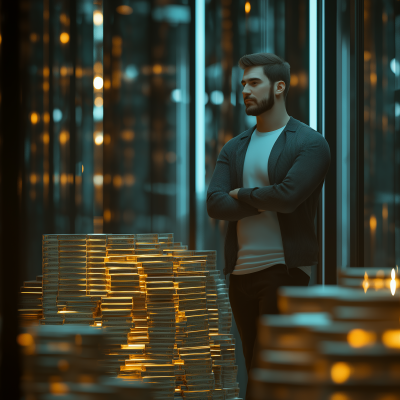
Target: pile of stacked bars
(332, 342)
(62, 362)
(164, 309)
(30, 301)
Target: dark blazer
(297, 166)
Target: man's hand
(234, 193)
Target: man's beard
(262, 106)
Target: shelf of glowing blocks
(334, 342)
(96, 269)
(30, 302)
(63, 362)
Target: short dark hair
(275, 69)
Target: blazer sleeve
(220, 205)
(307, 172)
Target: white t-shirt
(259, 236)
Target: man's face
(258, 93)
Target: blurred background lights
(397, 109)
(98, 67)
(98, 101)
(98, 180)
(395, 66)
(340, 372)
(393, 282)
(64, 137)
(57, 115)
(391, 338)
(247, 7)
(98, 138)
(124, 10)
(34, 118)
(157, 69)
(176, 95)
(131, 72)
(25, 339)
(217, 97)
(64, 37)
(98, 82)
(360, 338)
(97, 18)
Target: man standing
(266, 183)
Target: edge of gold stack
(164, 309)
(332, 342)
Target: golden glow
(367, 55)
(360, 338)
(46, 117)
(373, 78)
(46, 72)
(384, 211)
(98, 101)
(127, 135)
(63, 71)
(97, 18)
(157, 69)
(129, 179)
(25, 339)
(78, 72)
(98, 82)
(365, 283)
(124, 10)
(107, 139)
(64, 38)
(294, 80)
(98, 67)
(393, 282)
(391, 338)
(98, 138)
(58, 388)
(78, 340)
(339, 396)
(63, 365)
(64, 137)
(107, 215)
(46, 86)
(82, 168)
(247, 7)
(34, 118)
(33, 179)
(340, 372)
(46, 138)
(63, 179)
(372, 223)
(46, 178)
(117, 181)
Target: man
(266, 183)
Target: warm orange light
(107, 139)
(34, 118)
(78, 339)
(391, 338)
(107, 215)
(247, 7)
(340, 372)
(98, 101)
(46, 117)
(64, 38)
(82, 168)
(373, 78)
(372, 223)
(367, 55)
(63, 365)
(46, 138)
(157, 69)
(64, 137)
(98, 138)
(63, 179)
(46, 72)
(124, 10)
(365, 283)
(33, 179)
(360, 338)
(98, 82)
(58, 388)
(46, 178)
(129, 179)
(98, 67)
(97, 18)
(63, 71)
(127, 135)
(294, 80)
(393, 283)
(78, 72)
(46, 86)
(117, 181)
(25, 339)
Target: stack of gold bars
(30, 301)
(164, 309)
(333, 342)
(62, 362)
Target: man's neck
(272, 120)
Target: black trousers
(255, 294)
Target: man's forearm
(222, 206)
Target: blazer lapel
(241, 154)
(277, 149)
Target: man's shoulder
(309, 134)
